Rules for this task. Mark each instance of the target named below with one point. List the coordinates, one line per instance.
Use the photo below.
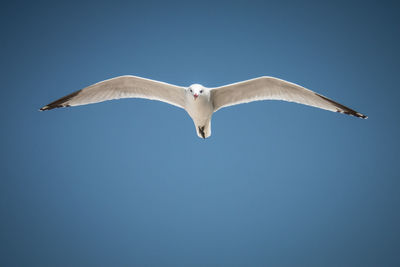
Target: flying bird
(200, 102)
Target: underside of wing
(269, 88)
(122, 87)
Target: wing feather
(270, 88)
(122, 87)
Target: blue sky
(129, 183)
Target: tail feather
(204, 131)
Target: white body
(200, 102)
(200, 109)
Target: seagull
(200, 102)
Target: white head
(197, 91)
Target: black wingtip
(344, 109)
(362, 116)
(50, 106)
(353, 113)
(47, 107)
(60, 103)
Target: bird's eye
(201, 91)
(191, 90)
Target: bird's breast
(199, 109)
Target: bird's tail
(204, 131)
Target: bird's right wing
(270, 88)
(123, 87)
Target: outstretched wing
(122, 87)
(269, 88)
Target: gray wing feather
(122, 87)
(270, 88)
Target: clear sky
(129, 183)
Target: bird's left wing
(123, 87)
(269, 88)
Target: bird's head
(197, 91)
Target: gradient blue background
(128, 183)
